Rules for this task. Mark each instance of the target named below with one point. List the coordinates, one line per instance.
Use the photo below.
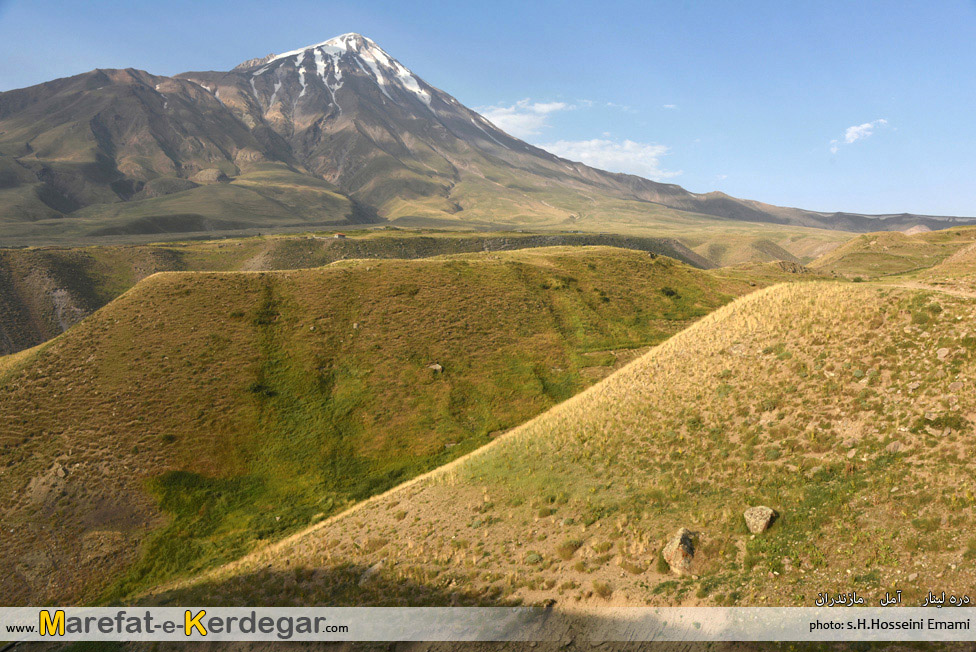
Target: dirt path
(915, 285)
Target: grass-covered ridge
(44, 291)
(202, 413)
(847, 408)
(875, 255)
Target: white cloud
(524, 118)
(857, 132)
(721, 177)
(616, 156)
(862, 131)
(670, 106)
(528, 118)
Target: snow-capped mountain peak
(330, 59)
(351, 42)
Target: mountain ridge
(123, 150)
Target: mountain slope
(201, 413)
(848, 409)
(99, 137)
(327, 98)
(124, 151)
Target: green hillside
(875, 255)
(846, 408)
(201, 413)
(44, 291)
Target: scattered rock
(758, 519)
(851, 453)
(680, 551)
(956, 386)
(370, 572)
(435, 367)
(912, 577)
(942, 353)
(894, 447)
(913, 386)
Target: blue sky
(857, 106)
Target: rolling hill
(45, 291)
(201, 413)
(876, 255)
(335, 133)
(959, 269)
(846, 408)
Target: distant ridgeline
(336, 133)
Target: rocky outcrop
(680, 551)
(760, 518)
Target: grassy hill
(876, 255)
(44, 291)
(957, 271)
(738, 250)
(846, 408)
(199, 414)
(962, 261)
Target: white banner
(487, 624)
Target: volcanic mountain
(334, 133)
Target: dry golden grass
(202, 413)
(849, 409)
(890, 253)
(44, 291)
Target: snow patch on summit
(386, 70)
(320, 66)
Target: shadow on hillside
(361, 586)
